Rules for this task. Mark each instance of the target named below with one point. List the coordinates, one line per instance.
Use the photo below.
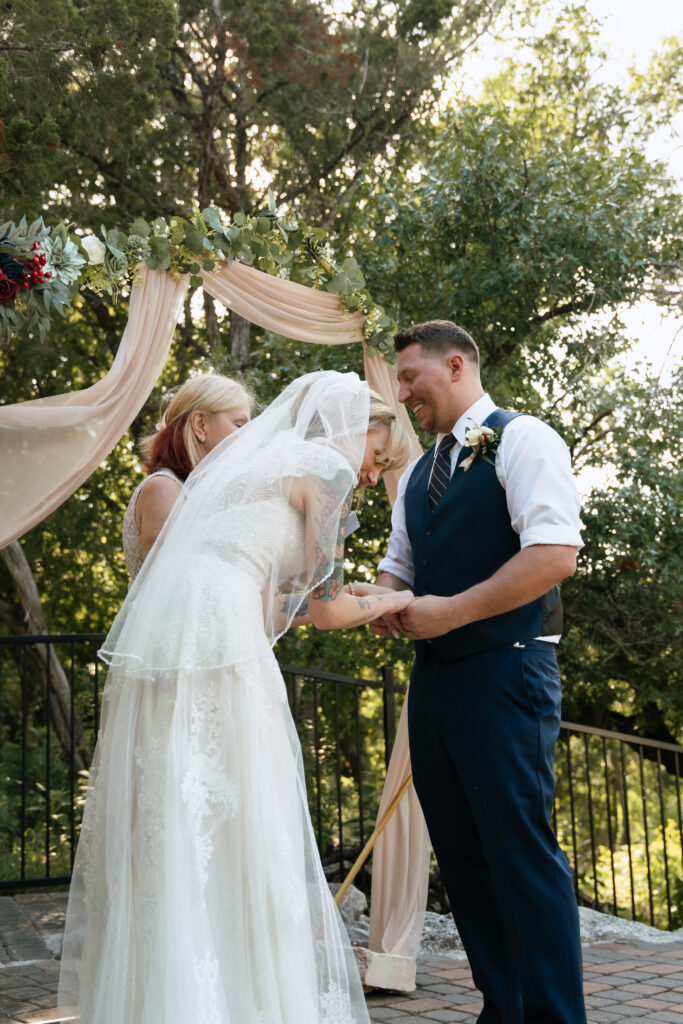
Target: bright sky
(632, 32)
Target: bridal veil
(198, 896)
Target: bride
(198, 896)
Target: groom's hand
(427, 617)
(387, 625)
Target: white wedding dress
(198, 894)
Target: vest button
(425, 561)
(429, 532)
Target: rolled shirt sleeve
(534, 467)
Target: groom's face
(426, 387)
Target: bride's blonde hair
(397, 452)
(174, 445)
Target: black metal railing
(346, 726)
(617, 809)
(50, 690)
(617, 815)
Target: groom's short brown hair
(438, 337)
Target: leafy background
(528, 212)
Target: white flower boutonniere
(483, 441)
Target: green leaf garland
(78, 262)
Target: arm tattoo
(293, 605)
(326, 500)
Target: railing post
(389, 701)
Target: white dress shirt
(533, 466)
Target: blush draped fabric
(400, 860)
(307, 314)
(50, 446)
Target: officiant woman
(196, 416)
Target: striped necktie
(441, 471)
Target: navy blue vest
(462, 542)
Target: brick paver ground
(623, 982)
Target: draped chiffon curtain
(50, 446)
(307, 314)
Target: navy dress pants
(482, 736)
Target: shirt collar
(472, 417)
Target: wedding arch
(50, 446)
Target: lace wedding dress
(198, 895)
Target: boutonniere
(483, 441)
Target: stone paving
(30, 935)
(623, 981)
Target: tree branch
(45, 657)
(584, 369)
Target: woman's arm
(330, 605)
(155, 501)
(346, 610)
(303, 616)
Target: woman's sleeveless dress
(132, 541)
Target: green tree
(531, 216)
(623, 661)
(230, 99)
(75, 73)
(227, 98)
(535, 220)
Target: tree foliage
(231, 98)
(535, 217)
(77, 84)
(624, 653)
(224, 98)
(530, 215)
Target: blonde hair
(397, 452)
(174, 444)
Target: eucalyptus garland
(43, 268)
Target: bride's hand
(362, 589)
(389, 621)
(397, 600)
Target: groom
(484, 527)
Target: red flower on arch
(8, 288)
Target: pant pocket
(541, 679)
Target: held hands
(397, 601)
(422, 618)
(428, 617)
(525, 577)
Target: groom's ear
(456, 365)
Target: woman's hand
(399, 600)
(359, 589)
